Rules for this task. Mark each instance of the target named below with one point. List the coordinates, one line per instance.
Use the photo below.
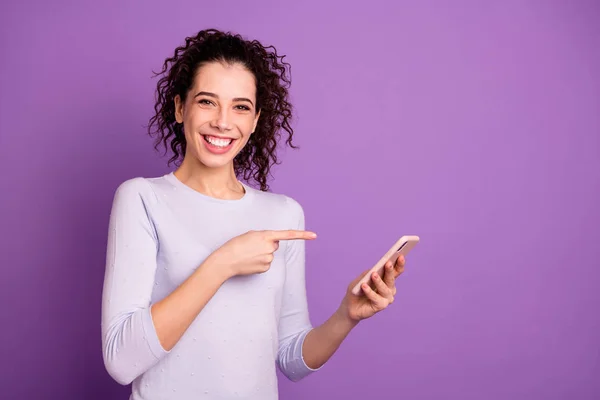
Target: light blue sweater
(160, 231)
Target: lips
(218, 144)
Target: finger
(399, 265)
(379, 301)
(382, 289)
(290, 235)
(389, 275)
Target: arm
(322, 342)
(294, 322)
(174, 314)
(302, 348)
(135, 334)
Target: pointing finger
(291, 235)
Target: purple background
(474, 125)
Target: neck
(219, 183)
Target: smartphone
(402, 246)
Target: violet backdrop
(475, 125)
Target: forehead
(225, 80)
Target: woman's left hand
(370, 301)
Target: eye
(205, 102)
(243, 108)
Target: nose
(221, 120)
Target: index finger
(291, 234)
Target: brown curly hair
(273, 80)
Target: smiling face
(219, 113)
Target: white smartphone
(402, 246)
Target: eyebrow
(209, 94)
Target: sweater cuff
(151, 335)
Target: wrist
(215, 267)
(343, 318)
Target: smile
(219, 142)
(218, 145)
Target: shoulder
(136, 189)
(281, 204)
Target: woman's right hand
(252, 252)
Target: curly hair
(273, 80)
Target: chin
(214, 162)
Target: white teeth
(218, 142)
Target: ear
(178, 109)
(256, 121)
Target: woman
(204, 291)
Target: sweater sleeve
(294, 322)
(130, 344)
